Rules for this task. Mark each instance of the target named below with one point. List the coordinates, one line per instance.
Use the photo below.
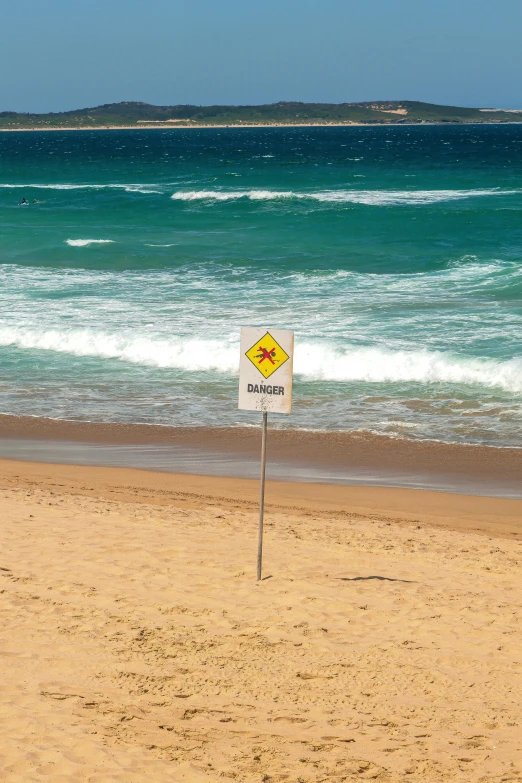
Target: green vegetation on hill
(135, 114)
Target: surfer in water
(23, 202)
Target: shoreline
(261, 125)
(304, 456)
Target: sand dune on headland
(136, 645)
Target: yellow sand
(136, 645)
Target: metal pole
(262, 498)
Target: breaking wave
(313, 361)
(378, 365)
(128, 188)
(366, 197)
(87, 242)
(339, 196)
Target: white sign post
(265, 385)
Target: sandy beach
(383, 643)
(199, 126)
(196, 126)
(170, 126)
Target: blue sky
(58, 55)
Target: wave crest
(313, 361)
(378, 365)
(87, 242)
(365, 197)
(335, 196)
(190, 355)
(128, 188)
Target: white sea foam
(128, 188)
(189, 354)
(312, 361)
(232, 195)
(378, 365)
(139, 188)
(86, 242)
(57, 186)
(339, 196)
(366, 197)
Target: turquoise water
(394, 253)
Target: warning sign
(265, 370)
(266, 355)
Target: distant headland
(131, 114)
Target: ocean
(393, 252)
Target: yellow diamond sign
(267, 355)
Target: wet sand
(383, 644)
(327, 457)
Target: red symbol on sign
(266, 355)
(265, 360)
